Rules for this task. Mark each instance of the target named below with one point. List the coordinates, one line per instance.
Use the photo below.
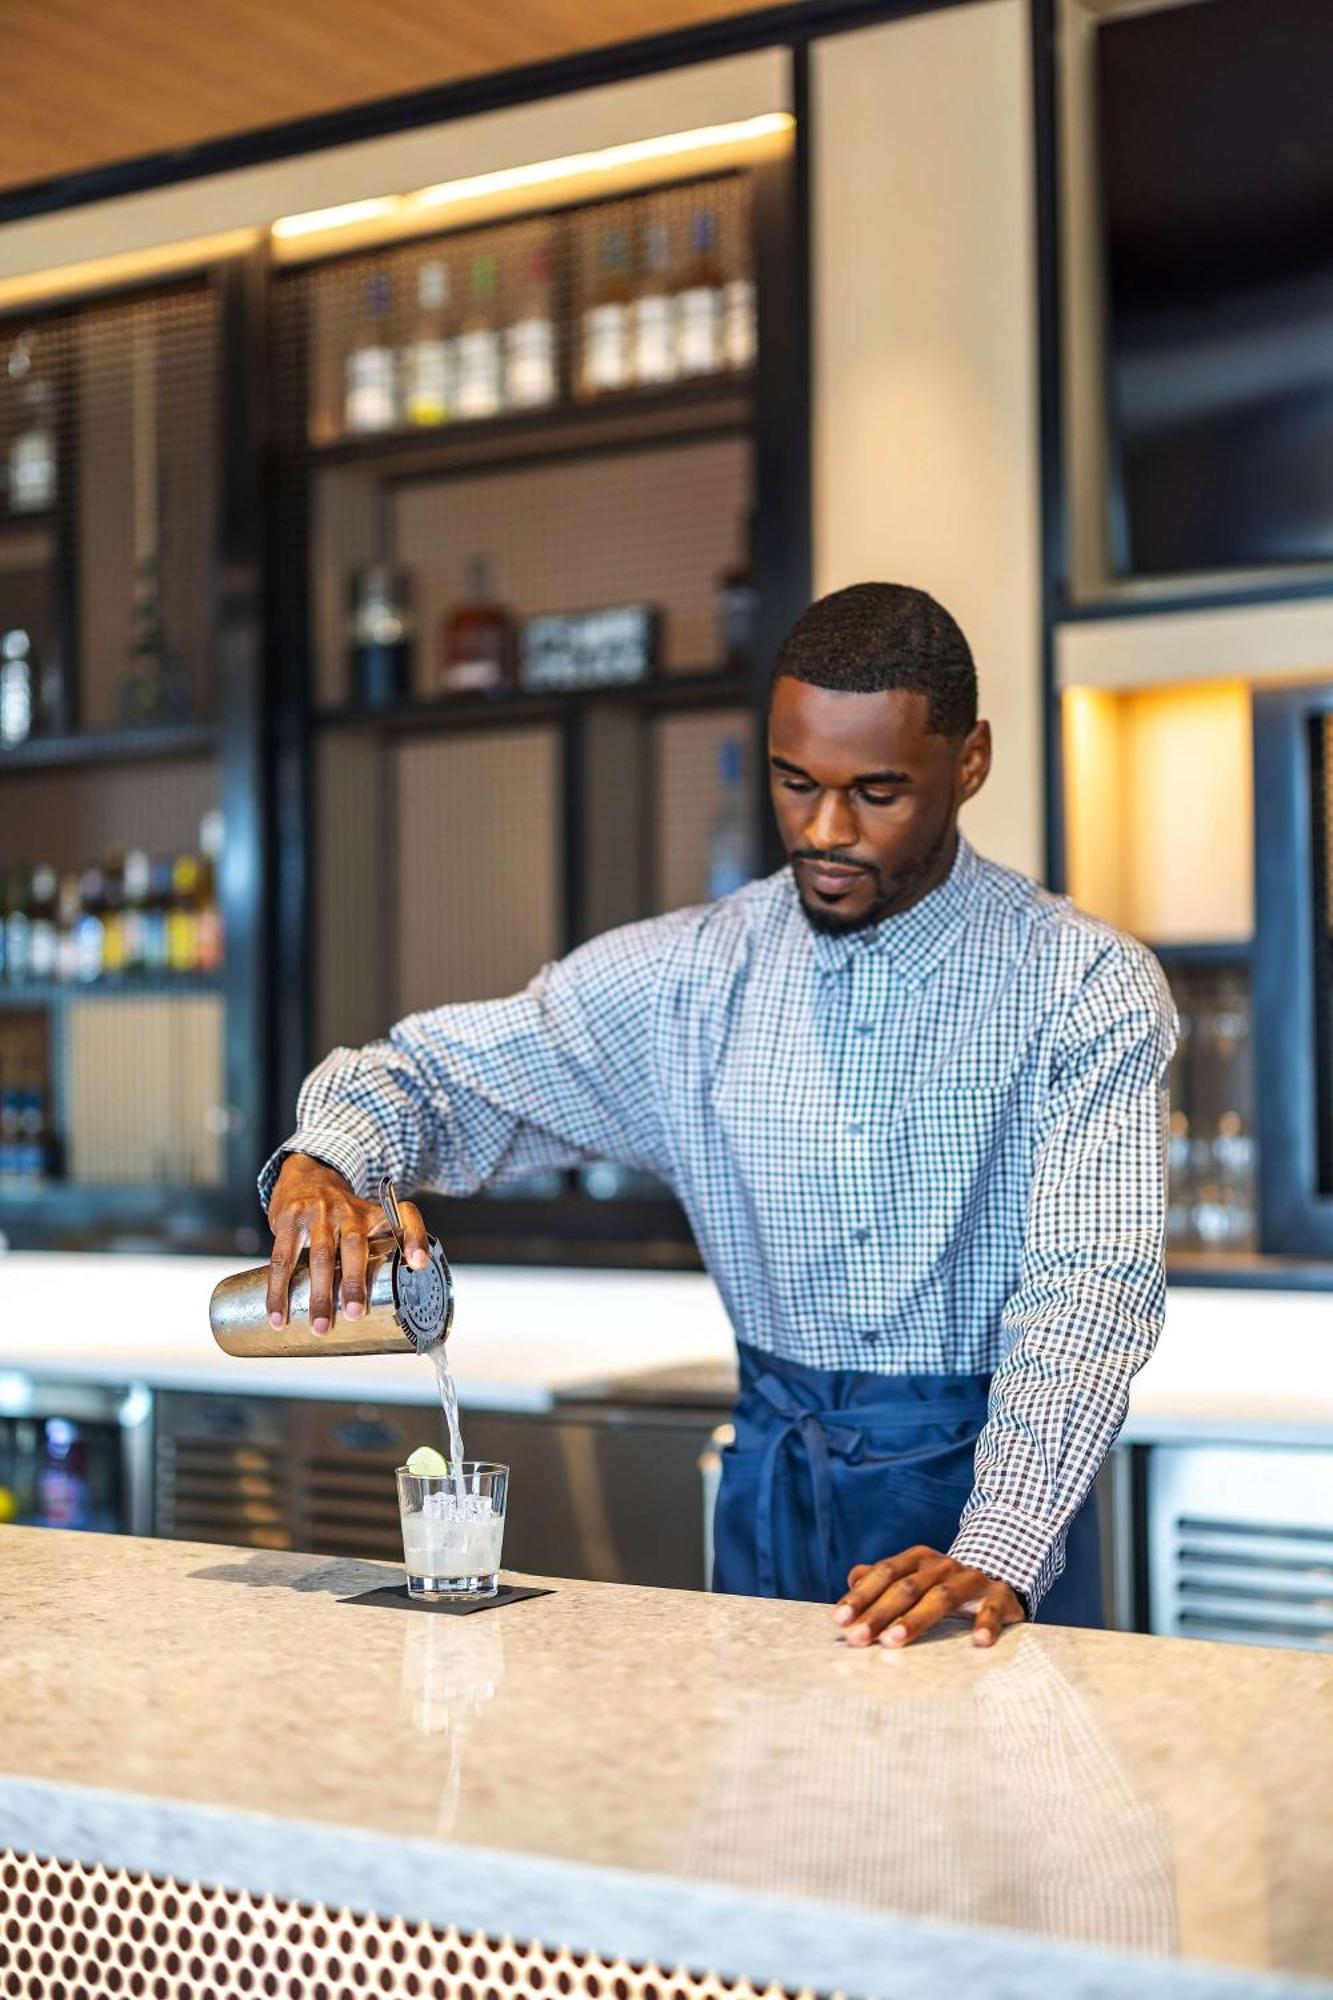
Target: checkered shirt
(935, 1145)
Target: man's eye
(796, 785)
(880, 798)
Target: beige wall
(925, 354)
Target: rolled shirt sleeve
(1091, 1296)
(464, 1096)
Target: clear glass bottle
(17, 964)
(68, 905)
(740, 324)
(138, 878)
(16, 690)
(655, 310)
(380, 632)
(43, 936)
(699, 301)
(480, 372)
(32, 450)
(430, 360)
(370, 400)
(88, 934)
(731, 846)
(530, 367)
(608, 357)
(738, 606)
(479, 654)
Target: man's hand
(312, 1204)
(902, 1596)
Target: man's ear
(974, 760)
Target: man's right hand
(313, 1205)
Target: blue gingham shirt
(934, 1145)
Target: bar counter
(217, 1777)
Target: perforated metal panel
(72, 1929)
(687, 750)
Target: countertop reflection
(609, 1759)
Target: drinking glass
(451, 1542)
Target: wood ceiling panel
(88, 82)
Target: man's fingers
(416, 1241)
(993, 1614)
(895, 1601)
(352, 1259)
(940, 1601)
(323, 1241)
(286, 1244)
(869, 1580)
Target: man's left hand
(897, 1599)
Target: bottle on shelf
(480, 370)
(157, 911)
(32, 450)
(33, 1136)
(479, 653)
(18, 965)
(699, 301)
(430, 357)
(113, 916)
(737, 607)
(529, 344)
(183, 916)
(16, 688)
(370, 401)
(380, 628)
(88, 933)
(138, 875)
(43, 936)
(69, 902)
(607, 320)
(740, 323)
(731, 849)
(655, 310)
(209, 930)
(11, 1119)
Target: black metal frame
(1291, 996)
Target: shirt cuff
(342, 1154)
(1013, 1548)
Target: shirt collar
(914, 941)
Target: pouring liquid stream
(449, 1404)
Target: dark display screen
(1216, 148)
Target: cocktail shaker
(407, 1311)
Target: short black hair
(875, 636)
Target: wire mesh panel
(130, 1120)
(704, 806)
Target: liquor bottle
(655, 310)
(740, 327)
(209, 931)
(88, 932)
(430, 358)
(68, 905)
(156, 915)
(183, 916)
(138, 875)
(18, 965)
(699, 301)
(480, 642)
(607, 346)
(113, 916)
(43, 937)
(380, 626)
(737, 605)
(480, 378)
(15, 686)
(731, 837)
(32, 451)
(371, 400)
(530, 340)
(11, 1120)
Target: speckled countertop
(708, 1782)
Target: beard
(892, 892)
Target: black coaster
(396, 1598)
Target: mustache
(835, 860)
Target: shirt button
(855, 1129)
(865, 1027)
(861, 1234)
(871, 1335)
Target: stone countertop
(1242, 1366)
(713, 1783)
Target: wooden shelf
(631, 420)
(38, 994)
(666, 691)
(111, 746)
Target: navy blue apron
(831, 1468)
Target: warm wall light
(739, 134)
(348, 212)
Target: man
(914, 1108)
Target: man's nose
(832, 823)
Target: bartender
(914, 1107)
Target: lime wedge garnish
(427, 1463)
